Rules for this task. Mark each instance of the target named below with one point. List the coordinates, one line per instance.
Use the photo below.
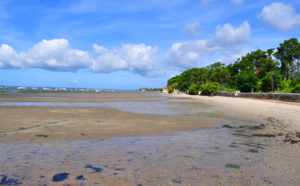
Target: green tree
(209, 88)
(287, 53)
(271, 81)
(173, 80)
(245, 81)
(172, 87)
(220, 75)
(194, 89)
(188, 77)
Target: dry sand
(286, 112)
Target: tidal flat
(134, 138)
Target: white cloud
(228, 35)
(226, 41)
(190, 54)
(56, 55)
(8, 57)
(139, 59)
(99, 49)
(192, 29)
(237, 1)
(281, 16)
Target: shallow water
(153, 107)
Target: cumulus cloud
(8, 57)
(188, 54)
(228, 35)
(281, 16)
(237, 1)
(136, 58)
(56, 55)
(226, 41)
(99, 49)
(192, 29)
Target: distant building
(21, 88)
(165, 89)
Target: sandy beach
(148, 139)
(286, 112)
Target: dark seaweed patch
(255, 145)
(234, 166)
(292, 141)
(229, 126)
(45, 136)
(264, 135)
(239, 134)
(119, 169)
(176, 181)
(260, 127)
(96, 169)
(253, 150)
(60, 177)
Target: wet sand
(32, 124)
(228, 142)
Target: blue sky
(129, 44)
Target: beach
(147, 139)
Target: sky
(131, 44)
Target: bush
(258, 87)
(171, 88)
(245, 81)
(230, 90)
(294, 83)
(296, 89)
(210, 88)
(286, 90)
(285, 84)
(194, 89)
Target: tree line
(259, 71)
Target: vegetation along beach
(159, 92)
